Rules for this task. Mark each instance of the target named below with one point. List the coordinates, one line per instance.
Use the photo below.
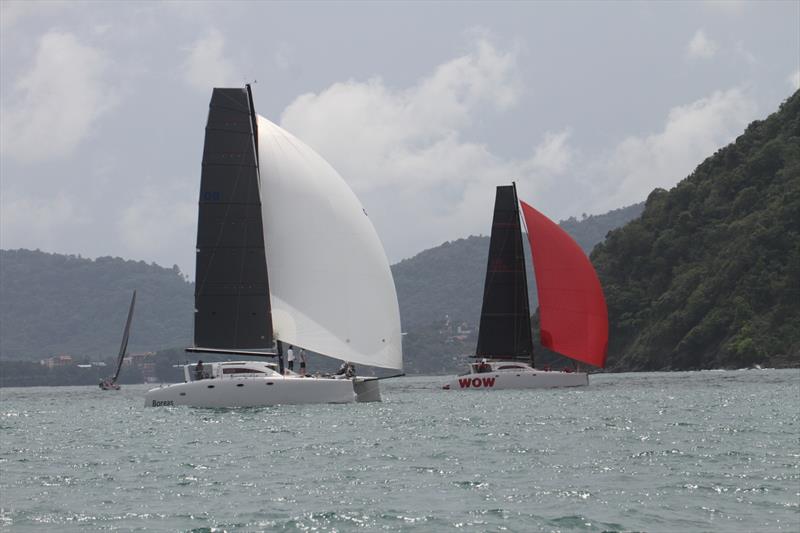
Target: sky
(423, 107)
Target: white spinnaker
(330, 284)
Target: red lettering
(463, 383)
(488, 382)
(476, 382)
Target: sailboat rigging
(572, 308)
(110, 383)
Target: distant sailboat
(572, 308)
(286, 255)
(110, 383)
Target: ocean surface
(690, 451)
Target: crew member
(290, 358)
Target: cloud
(13, 11)
(407, 154)
(205, 65)
(701, 47)
(157, 217)
(692, 132)
(27, 218)
(731, 7)
(403, 149)
(57, 101)
(794, 80)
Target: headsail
(572, 308)
(505, 328)
(125, 335)
(232, 305)
(331, 286)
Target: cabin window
(241, 371)
(511, 367)
(240, 384)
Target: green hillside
(709, 276)
(52, 304)
(64, 304)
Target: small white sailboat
(110, 383)
(572, 309)
(286, 254)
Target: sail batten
(572, 310)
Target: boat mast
(524, 271)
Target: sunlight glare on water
(710, 451)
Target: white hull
(504, 376)
(258, 384)
(262, 391)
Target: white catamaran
(110, 383)
(572, 309)
(286, 254)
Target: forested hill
(448, 280)
(709, 276)
(63, 304)
(52, 304)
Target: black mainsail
(505, 328)
(125, 336)
(232, 303)
(110, 383)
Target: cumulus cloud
(56, 102)
(205, 65)
(404, 152)
(701, 47)
(794, 80)
(692, 132)
(407, 154)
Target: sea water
(693, 451)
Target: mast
(505, 326)
(232, 298)
(125, 335)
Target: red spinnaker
(572, 309)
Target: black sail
(505, 329)
(232, 305)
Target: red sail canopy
(572, 309)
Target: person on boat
(347, 370)
(198, 370)
(302, 357)
(290, 358)
(484, 366)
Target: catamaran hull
(538, 379)
(253, 392)
(367, 389)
